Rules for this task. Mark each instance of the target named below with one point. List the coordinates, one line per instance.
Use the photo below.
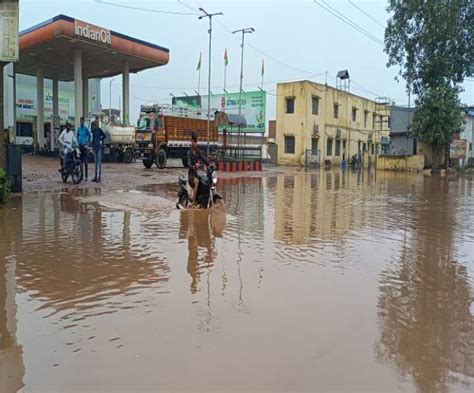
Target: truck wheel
(128, 156)
(161, 159)
(147, 163)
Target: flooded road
(318, 281)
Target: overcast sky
(297, 39)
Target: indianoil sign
(93, 33)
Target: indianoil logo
(92, 33)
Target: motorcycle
(355, 162)
(71, 164)
(207, 195)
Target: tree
(432, 41)
(437, 116)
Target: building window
(314, 146)
(366, 115)
(289, 144)
(338, 148)
(315, 105)
(364, 147)
(290, 105)
(373, 148)
(381, 121)
(329, 148)
(336, 111)
(24, 129)
(343, 150)
(354, 114)
(374, 119)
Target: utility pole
(2, 139)
(208, 15)
(408, 126)
(247, 30)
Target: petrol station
(67, 49)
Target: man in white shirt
(66, 140)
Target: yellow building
(319, 122)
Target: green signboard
(253, 106)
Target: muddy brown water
(318, 281)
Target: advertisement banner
(26, 103)
(9, 31)
(187, 101)
(253, 107)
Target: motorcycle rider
(66, 140)
(195, 159)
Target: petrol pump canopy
(51, 45)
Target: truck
(164, 131)
(119, 144)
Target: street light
(207, 15)
(247, 30)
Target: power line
(347, 21)
(253, 46)
(366, 14)
(220, 87)
(267, 55)
(187, 6)
(144, 9)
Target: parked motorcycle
(355, 162)
(71, 164)
(207, 195)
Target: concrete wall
(426, 150)
(400, 163)
(301, 124)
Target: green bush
(4, 186)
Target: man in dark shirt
(98, 137)
(195, 159)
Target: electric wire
(366, 14)
(145, 9)
(347, 21)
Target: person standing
(98, 137)
(83, 138)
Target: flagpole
(225, 93)
(199, 75)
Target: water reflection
(200, 228)
(75, 257)
(426, 328)
(12, 368)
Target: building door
(314, 146)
